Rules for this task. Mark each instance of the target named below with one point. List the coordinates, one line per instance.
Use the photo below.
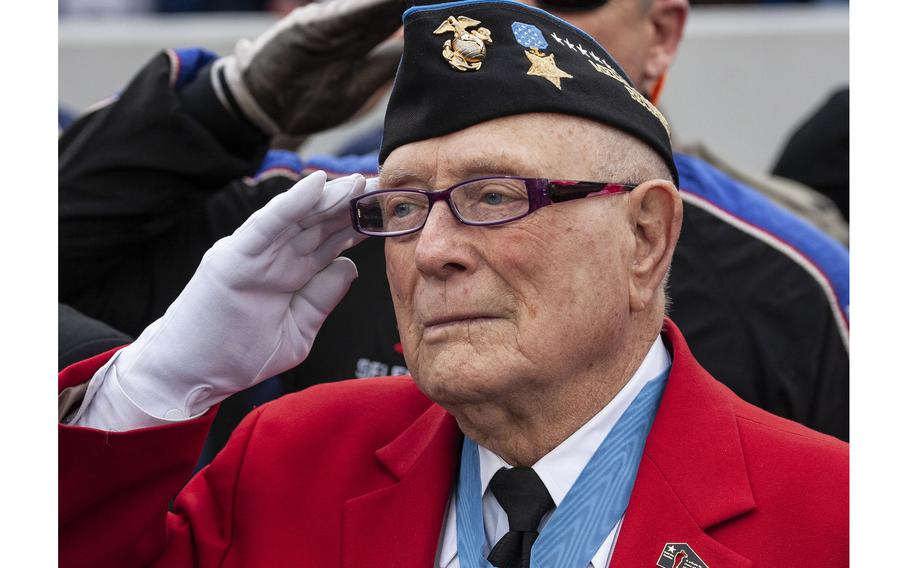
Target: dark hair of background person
(817, 154)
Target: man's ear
(667, 19)
(656, 214)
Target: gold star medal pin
(467, 50)
(542, 65)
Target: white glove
(316, 67)
(251, 310)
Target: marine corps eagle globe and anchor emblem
(467, 50)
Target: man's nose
(444, 245)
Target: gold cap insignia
(607, 70)
(467, 50)
(542, 65)
(545, 66)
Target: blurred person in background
(148, 182)
(818, 152)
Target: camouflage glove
(314, 68)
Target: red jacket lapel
(692, 475)
(399, 525)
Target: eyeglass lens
(485, 201)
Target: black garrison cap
(475, 60)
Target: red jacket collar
(399, 525)
(692, 475)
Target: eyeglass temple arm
(560, 190)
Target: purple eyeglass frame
(541, 192)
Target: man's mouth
(443, 322)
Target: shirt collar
(563, 464)
(559, 468)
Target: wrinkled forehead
(529, 145)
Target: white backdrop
(744, 77)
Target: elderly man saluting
(554, 417)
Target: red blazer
(358, 474)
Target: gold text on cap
(467, 50)
(607, 70)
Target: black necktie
(525, 500)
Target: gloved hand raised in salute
(316, 67)
(251, 310)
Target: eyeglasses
(569, 5)
(480, 202)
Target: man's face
(486, 312)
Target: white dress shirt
(558, 469)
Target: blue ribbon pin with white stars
(542, 65)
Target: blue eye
(492, 198)
(403, 209)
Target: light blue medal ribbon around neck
(593, 506)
